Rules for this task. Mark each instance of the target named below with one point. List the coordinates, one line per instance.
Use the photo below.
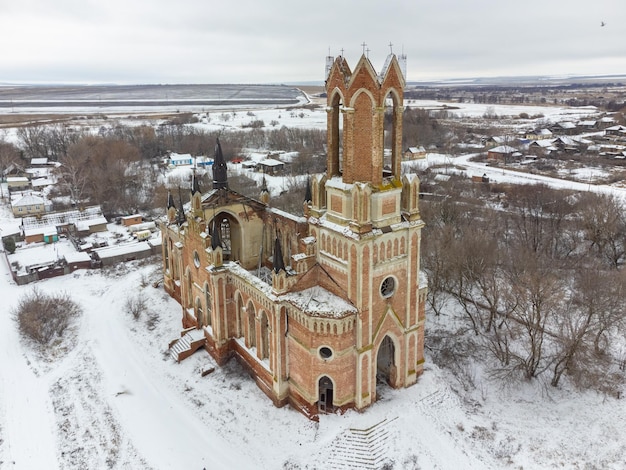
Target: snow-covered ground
(117, 400)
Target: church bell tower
(366, 218)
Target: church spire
(220, 178)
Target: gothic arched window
(225, 234)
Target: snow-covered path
(26, 417)
(165, 431)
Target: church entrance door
(385, 364)
(325, 399)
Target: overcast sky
(254, 41)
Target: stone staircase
(365, 449)
(185, 346)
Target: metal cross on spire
(364, 45)
(390, 47)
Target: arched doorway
(325, 395)
(238, 316)
(189, 289)
(386, 364)
(251, 338)
(199, 313)
(264, 347)
(209, 305)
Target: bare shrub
(136, 305)
(152, 320)
(44, 317)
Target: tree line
(538, 275)
(117, 165)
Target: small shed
(150, 226)
(50, 235)
(118, 254)
(39, 161)
(415, 153)
(18, 183)
(78, 260)
(134, 219)
(271, 166)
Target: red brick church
(326, 307)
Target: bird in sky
(602, 24)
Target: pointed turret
(220, 178)
(181, 209)
(171, 208)
(265, 194)
(279, 264)
(215, 236)
(195, 185)
(308, 197)
(196, 195)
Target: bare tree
(595, 309)
(604, 223)
(538, 293)
(34, 141)
(9, 155)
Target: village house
(538, 134)
(29, 204)
(588, 125)
(616, 131)
(327, 308)
(564, 128)
(414, 153)
(543, 147)
(496, 140)
(503, 153)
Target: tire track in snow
(89, 432)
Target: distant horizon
(483, 79)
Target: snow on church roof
(319, 302)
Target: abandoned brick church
(322, 308)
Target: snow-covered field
(115, 399)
